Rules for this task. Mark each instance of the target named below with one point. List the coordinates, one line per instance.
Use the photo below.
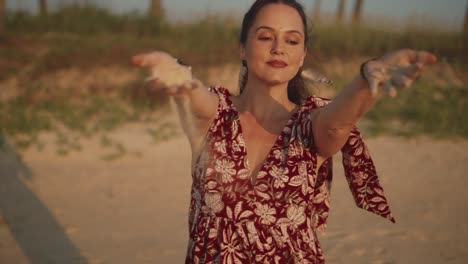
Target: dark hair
(296, 87)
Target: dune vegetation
(69, 73)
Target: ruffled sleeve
(359, 171)
(362, 177)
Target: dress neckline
(280, 136)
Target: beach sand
(80, 208)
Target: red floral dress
(274, 220)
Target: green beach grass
(88, 38)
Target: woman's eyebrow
(272, 29)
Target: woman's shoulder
(225, 96)
(314, 101)
(220, 90)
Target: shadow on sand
(31, 223)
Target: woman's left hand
(398, 69)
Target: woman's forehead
(278, 17)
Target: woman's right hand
(195, 104)
(167, 73)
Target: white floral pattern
(265, 213)
(226, 168)
(213, 203)
(231, 248)
(279, 175)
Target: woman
(262, 159)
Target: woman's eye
(293, 42)
(264, 38)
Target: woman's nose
(277, 47)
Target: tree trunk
(156, 8)
(317, 6)
(465, 34)
(43, 7)
(2, 16)
(340, 11)
(357, 11)
(465, 26)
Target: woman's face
(275, 49)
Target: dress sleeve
(362, 177)
(305, 132)
(358, 167)
(222, 92)
(224, 111)
(224, 95)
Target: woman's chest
(259, 140)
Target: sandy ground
(81, 209)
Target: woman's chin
(274, 81)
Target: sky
(446, 13)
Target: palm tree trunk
(357, 11)
(465, 26)
(340, 11)
(156, 8)
(2, 16)
(43, 7)
(465, 34)
(317, 6)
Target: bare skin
(264, 106)
(261, 134)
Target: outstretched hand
(398, 69)
(166, 72)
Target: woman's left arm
(332, 124)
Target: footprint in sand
(416, 235)
(71, 230)
(341, 236)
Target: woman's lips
(277, 63)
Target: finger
(190, 85)
(172, 90)
(147, 59)
(423, 57)
(138, 60)
(389, 89)
(186, 86)
(375, 72)
(156, 84)
(401, 81)
(155, 81)
(195, 83)
(374, 86)
(152, 79)
(411, 71)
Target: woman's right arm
(195, 104)
(197, 108)
(193, 96)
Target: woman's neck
(265, 102)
